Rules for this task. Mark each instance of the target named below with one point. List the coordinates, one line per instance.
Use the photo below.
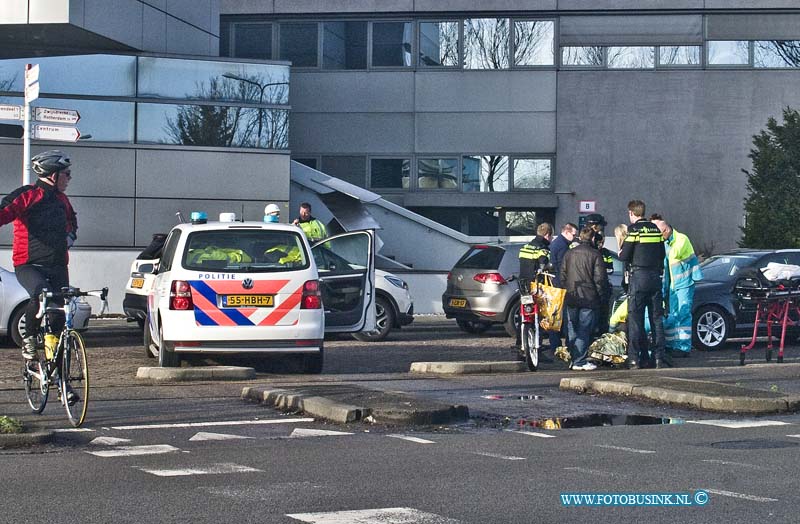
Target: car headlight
(396, 282)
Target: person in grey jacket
(583, 275)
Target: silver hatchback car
(481, 290)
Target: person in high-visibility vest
(681, 271)
(311, 226)
(533, 256)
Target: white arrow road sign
(58, 133)
(31, 75)
(10, 112)
(62, 116)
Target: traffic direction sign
(11, 131)
(10, 112)
(62, 116)
(58, 133)
(31, 83)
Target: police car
(257, 288)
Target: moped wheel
(530, 346)
(36, 387)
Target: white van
(257, 288)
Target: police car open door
(346, 265)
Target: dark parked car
(716, 311)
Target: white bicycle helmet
(271, 208)
(49, 162)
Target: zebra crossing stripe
(495, 455)
(108, 441)
(531, 433)
(412, 439)
(202, 435)
(373, 516)
(303, 432)
(130, 451)
(213, 469)
(620, 448)
(738, 424)
(743, 496)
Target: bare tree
(486, 43)
(588, 55)
(530, 39)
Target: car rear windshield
(245, 251)
(481, 257)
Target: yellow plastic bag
(551, 305)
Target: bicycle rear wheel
(74, 378)
(36, 388)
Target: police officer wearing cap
(643, 249)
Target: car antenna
(181, 220)
(242, 212)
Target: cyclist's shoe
(72, 397)
(29, 349)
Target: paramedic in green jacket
(681, 271)
(312, 227)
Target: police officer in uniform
(533, 256)
(643, 249)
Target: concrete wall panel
(183, 39)
(104, 222)
(14, 12)
(342, 133)
(486, 132)
(195, 12)
(352, 91)
(754, 27)
(486, 5)
(49, 11)
(485, 91)
(591, 5)
(751, 4)
(631, 30)
(154, 35)
(120, 20)
(206, 174)
(246, 7)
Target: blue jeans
(581, 325)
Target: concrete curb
(23, 440)
(466, 368)
(744, 403)
(200, 373)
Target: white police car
(257, 288)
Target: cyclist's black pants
(35, 278)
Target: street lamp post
(261, 88)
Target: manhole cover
(753, 444)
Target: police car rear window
(481, 257)
(244, 251)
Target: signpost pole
(31, 94)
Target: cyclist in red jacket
(44, 228)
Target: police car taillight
(180, 296)
(312, 298)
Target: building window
(252, 40)
(485, 173)
(587, 56)
(533, 43)
(391, 44)
(389, 173)
(437, 173)
(438, 44)
(344, 45)
(776, 53)
(310, 162)
(679, 55)
(532, 173)
(486, 43)
(299, 43)
(352, 169)
(520, 223)
(729, 52)
(631, 57)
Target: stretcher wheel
(769, 355)
(780, 359)
(741, 359)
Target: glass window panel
(533, 173)
(631, 57)
(104, 121)
(582, 56)
(391, 43)
(520, 223)
(213, 81)
(487, 173)
(679, 55)
(437, 173)
(486, 43)
(216, 126)
(729, 52)
(299, 43)
(533, 42)
(104, 75)
(447, 216)
(438, 43)
(351, 169)
(390, 173)
(310, 162)
(253, 40)
(776, 53)
(344, 45)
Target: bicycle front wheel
(74, 378)
(36, 386)
(530, 345)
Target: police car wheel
(167, 358)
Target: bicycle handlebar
(67, 293)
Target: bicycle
(529, 319)
(63, 365)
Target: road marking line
(742, 464)
(597, 472)
(373, 516)
(739, 424)
(495, 455)
(108, 441)
(202, 435)
(130, 451)
(214, 469)
(302, 432)
(743, 496)
(531, 433)
(412, 439)
(218, 423)
(620, 448)
(793, 436)
(73, 430)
